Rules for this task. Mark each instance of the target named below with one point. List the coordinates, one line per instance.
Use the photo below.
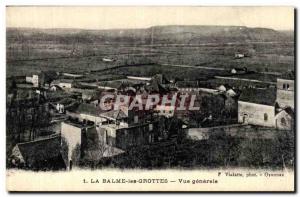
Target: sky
(278, 18)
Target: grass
(27, 57)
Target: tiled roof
(90, 109)
(290, 75)
(259, 96)
(40, 150)
(114, 114)
(289, 111)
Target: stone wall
(256, 114)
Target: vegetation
(217, 151)
(30, 50)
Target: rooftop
(57, 81)
(66, 101)
(90, 109)
(289, 111)
(290, 75)
(259, 96)
(38, 151)
(114, 114)
(113, 126)
(51, 96)
(80, 124)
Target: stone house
(285, 119)
(87, 112)
(285, 93)
(73, 141)
(43, 154)
(256, 106)
(122, 137)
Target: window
(106, 137)
(287, 86)
(283, 122)
(284, 86)
(70, 164)
(265, 117)
(136, 119)
(29, 117)
(150, 127)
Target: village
(56, 120)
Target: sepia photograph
(150, 98)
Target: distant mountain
(175, 34)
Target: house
(216, 106)
(73, 140)
(41, 154)
(55, 88)
(238, 70)
(28, 79)
(125, 128)
(227, 90)
(122, 137)
(88, 112)
(155, 87)
(18, 79)
(161, 79)
(63, 83)
(159, 84)
(60, 108)
(256, 106)
(94, 96)
(285, 92)
(222, 88)
(117, 129)
(34, 79)
(164, 110)
(88, 95)
(285, 119)
(82, 141)
(239, 55)
(231, 93)
(65, 104)
(117, 116)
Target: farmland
(80, 51)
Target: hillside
(77, 50)
(153, 35)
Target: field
(29, 52)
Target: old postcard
(150, 99)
